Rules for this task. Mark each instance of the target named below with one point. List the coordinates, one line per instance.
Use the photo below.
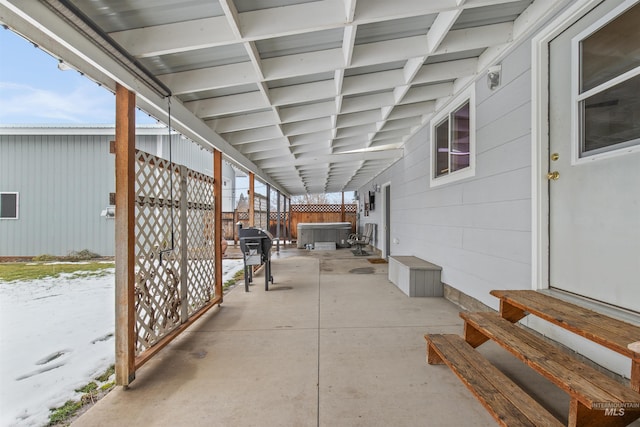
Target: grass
(64, 412)
(239, 275)
(10, 272)
(105, 376)
(63, 415)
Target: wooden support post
(287, 217)
(433, 358)
(252, 212)
(268, 207)
(125, 237)
(473, 336)
(217, 222)
(290, 230)
(278, 225)
(511, 312)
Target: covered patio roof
(310, 96)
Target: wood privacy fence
(299, 214)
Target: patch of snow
(56, 335)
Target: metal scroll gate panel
(174, 251)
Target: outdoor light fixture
(63, 66)
(493, 76)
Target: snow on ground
(56, 335)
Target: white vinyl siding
(478, 229)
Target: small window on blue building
(8, 205)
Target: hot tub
(311, 232)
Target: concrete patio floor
(332, 343)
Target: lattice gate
(174, 250)
(260, 211)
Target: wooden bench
(588, 388)
(611, 333)
(509, 405)
(595, 398)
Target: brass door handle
(555, 175)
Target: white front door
(594, 156)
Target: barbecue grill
(255, 245)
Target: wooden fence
(299, 214)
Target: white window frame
(577, 97)
(468, 95)
(17, 194)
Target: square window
(8, 205)
(453, 140)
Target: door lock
(555, 175)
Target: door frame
(540, 136)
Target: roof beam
(242, 122)
(427, 93)
(178, 37)
(302, 64)
(475, 38)
(210, 78)
(440, 27)
(297, 94)
(233, 18)
(264, 145)
(231, 28)
(231, 104)
(313, 111)
(252, 135)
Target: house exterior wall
(477, 229)
(64, 182)
(480, 229)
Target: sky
(34, 91)
(44, 355)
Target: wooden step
(604, 330)
(506, 402)
(591, 391)
(617, 335)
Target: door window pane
(460, 154)
(612, 117)
(612, 50)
